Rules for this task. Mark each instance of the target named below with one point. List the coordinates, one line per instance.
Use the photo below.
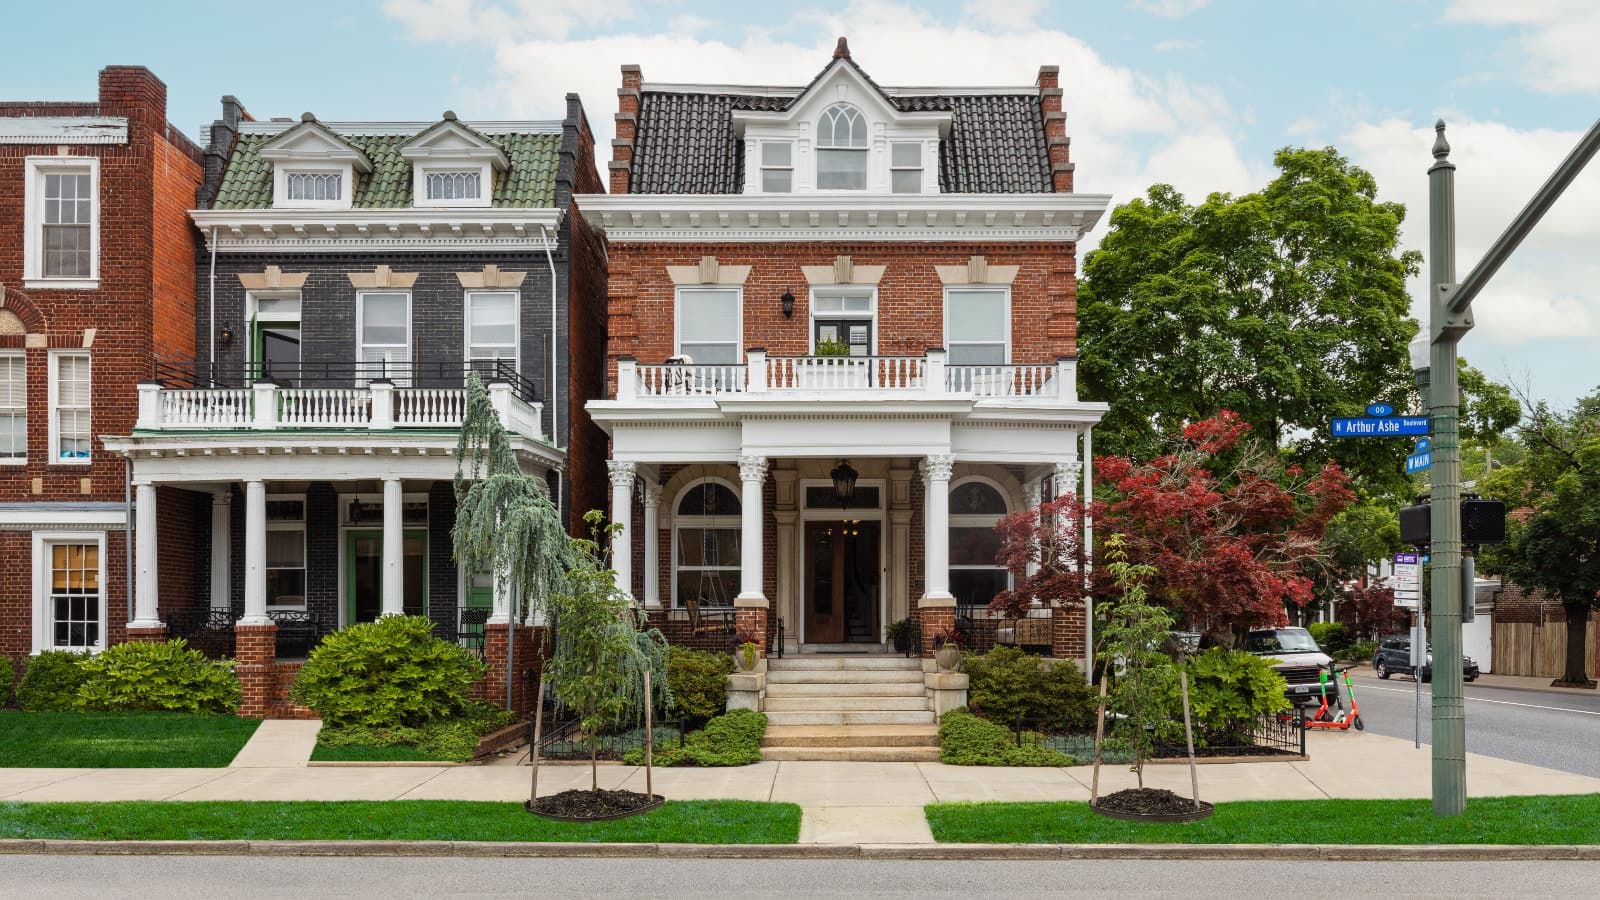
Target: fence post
(266, 405)
(627, 378)
(149, 405)
(756, 365)
(382, 403)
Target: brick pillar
(494, 653)
(935, 618)
(753, 619)
(1067, 632)
(1055, 129)
(147, 635)
(528, 660)
(257, 667)
(628, 98)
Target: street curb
(484, 849)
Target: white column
(394, 548)
(936, 537)
(146, 590)
(221, 548)
(652, 551)
(255, 554)
(1088, 546)
(622, 474)
(1033, 497)
(1066, 480)
(752, 478)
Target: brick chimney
(224, 132)
(1055, 129)
(841, 50)
(136, 93)
(627, 127)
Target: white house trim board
(403, 129)
(502, 229)
(63, 130)
(21, 517)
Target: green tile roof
(529, 182)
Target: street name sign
(1388, 426)
(1419, 462)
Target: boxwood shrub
(967, 740)
(387, 674)
(1007, 683)
(698, 680)
(731, 739)
(50, 682)
(157, 677)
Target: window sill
(70, 464)
(61, 284)
(13, 462)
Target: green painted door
(363, 571)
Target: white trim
(43, 616)
(304, 527)
(13, 517)
(404, 129)
(765, 90)
(63, 130)
(22, 356)
(718, 522)
(53, 449)
(977, 289)
(346, 230)
(34, 170)
(361, 308)
(738, 323)
(869, 291)
(516, 323)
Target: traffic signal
(1482, 522)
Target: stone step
(851, 717)
(851, 754)
(834, 689)
(844, 661)
(844, 676)
(798, 704)
(851, 736)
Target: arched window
(705, 544)
(841, 149)
(975, 578)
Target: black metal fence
(562, 739)
(1275, 735)
(346, 373)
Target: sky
(1194, 93)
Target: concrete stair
(849, 707)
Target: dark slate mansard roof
(685, 142)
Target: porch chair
(718, 621)
(1024, 632)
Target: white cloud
(465, 21)
(1551, 287)
(1169, 9)
(1169, 46)
(1011, 16)
(1556, 43)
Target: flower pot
(948, 657)
(743, 663)
(902, 643)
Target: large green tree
(1287, 306)
(1555, 547)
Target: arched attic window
(841, 149)
(705, 538)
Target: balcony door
(275, 340)
(363, 567)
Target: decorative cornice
(363, 230)
(273, 278)
(382, 277)
(977, 271)
(709, 271)
(63, 130)
(491, 277)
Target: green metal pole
(1449, 722)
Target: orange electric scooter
(1325, 717)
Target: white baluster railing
(429, 407)
(222, 408)
(1002, 380)
(690, 381)
(834, 373)
(324, 407)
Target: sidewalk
(843, 802)
(1529, 683)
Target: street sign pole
(1450, 308)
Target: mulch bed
(1150, 804)
(589, 806)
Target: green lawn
(120, 740)
(368, 753)
(1490, 820)
(689, 821)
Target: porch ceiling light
(844, 482)
(788, 304)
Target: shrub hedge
(1007, 683)
(157, 677)
(454, 739)
(8, 677)
(967, 740)
(387, 674)
(698, 680)
(1229, 691)
(731, 739)
(50, 682)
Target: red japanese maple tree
(1232, 532)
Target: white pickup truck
(1296, 657)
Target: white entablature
(345, 230)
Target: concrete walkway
(844, 802)
(279, 743)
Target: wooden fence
(1526, 648)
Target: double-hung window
(905, 167)
(841, 149)
(977, 326)
(70, 421)
(383, 329)
(286, 551)
(975, 575)
(13, 407)
(709, 325)
(69, 574)
(777, 167)
(61, 236)
(491, 330)
(706, 552)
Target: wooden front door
(841, 582)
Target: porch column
(255, 554)
(146, 594)
(622, 475)
(937, 606)
(394, 548)
(221, 551)
(652, 544)
(750, 613)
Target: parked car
(1394, 657)
(1296, 657)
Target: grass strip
(96, 740)
(1489, 820)
(686, 821)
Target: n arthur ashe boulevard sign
(1380, 421)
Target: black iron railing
(1274, 735)
(346, 373)
(563, 739)
(779, 648)
(205, 629)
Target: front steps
(852, 707)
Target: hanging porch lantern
(844, 482)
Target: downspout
(550, 395)
(127, 532)
(211, 317)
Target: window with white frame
(841, 149)
(69, 576)
(491, 326)
(457, 185)
(383, 332)
(977, 326)
(286, 551)
(709, 325)
(844, 316)
(62, 229)
(705, 538)
(70, 421)
(315, 187)
(905, 167)
(975, 576)
(777, 167)
(13, 407)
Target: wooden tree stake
(1099, 735)
(649, 736)
(1188, 734)
(538, 731)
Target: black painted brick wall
(442, 579)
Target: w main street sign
(1387, 426)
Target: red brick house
(842, 331)
(96, 280)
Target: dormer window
(841, 149)
(315, 186)
(905, 167)
(452, 165)
(777, 167)
(454, 185)
(313, 167)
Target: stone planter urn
(744, 664)
(948, 657)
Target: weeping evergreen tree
(507, 524)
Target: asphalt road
(167, 877)
(1555, 730)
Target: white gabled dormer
(452, 165)
(313, 168)
(841, 135)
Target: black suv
(1394, 656)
